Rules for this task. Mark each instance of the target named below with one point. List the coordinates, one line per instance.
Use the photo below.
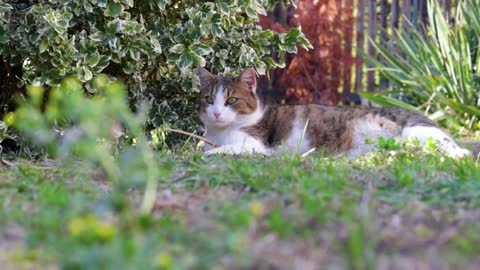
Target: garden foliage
(94, 133)
(154, 46)
(436, 71)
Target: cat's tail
(474, 147)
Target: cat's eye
(231, 101)
(209, 99)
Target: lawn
(401, 209)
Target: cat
(238, 122)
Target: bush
(440, 73)
(154, 46)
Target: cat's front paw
(218, 150)
(237, 150)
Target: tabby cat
(238, 122)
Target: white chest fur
(226, 136)
(233, 141)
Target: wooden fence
(347, 26)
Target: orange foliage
(317, 75)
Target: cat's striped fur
(237, 121)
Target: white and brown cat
(236, 120)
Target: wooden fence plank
(360, 44)
(347, 48)
(394, 17)
(415, 14)
(383, 20)
(335, 68)
(447, 5)
(422, 14)
(383, 37)
(372, 32)
(406, 14)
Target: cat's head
(228, 101)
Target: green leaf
(291, 48)
(97, 36)
(92, 59)
(294, 33)
(177, 49)
(38, 81)
(259, 9)
(102, 3)
(5, 6)
(114, 27)
(103, 62)
(114, 9)
(128, 2)
(305, 43)
(156, 45)
(217, 30)
(197, 59)
(195, 34)
(88, 7)
(267, 33)
(134, 54)
(386, 101)
(216, 18)
(100, 81)
(240, 19)
(251, 13)
(261, 68)
(3, 39)
(43, 45)
(272, 63)
(202, 49)
(173, 57)
(224, 9)
(206, 7)
(89, 86)
(87, 74)
(185, 61)
(459, 107)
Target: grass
(382, 210)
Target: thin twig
(192, 135)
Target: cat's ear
(206, 77)
(249, 77)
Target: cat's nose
(216, 114)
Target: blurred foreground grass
(374, 212)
